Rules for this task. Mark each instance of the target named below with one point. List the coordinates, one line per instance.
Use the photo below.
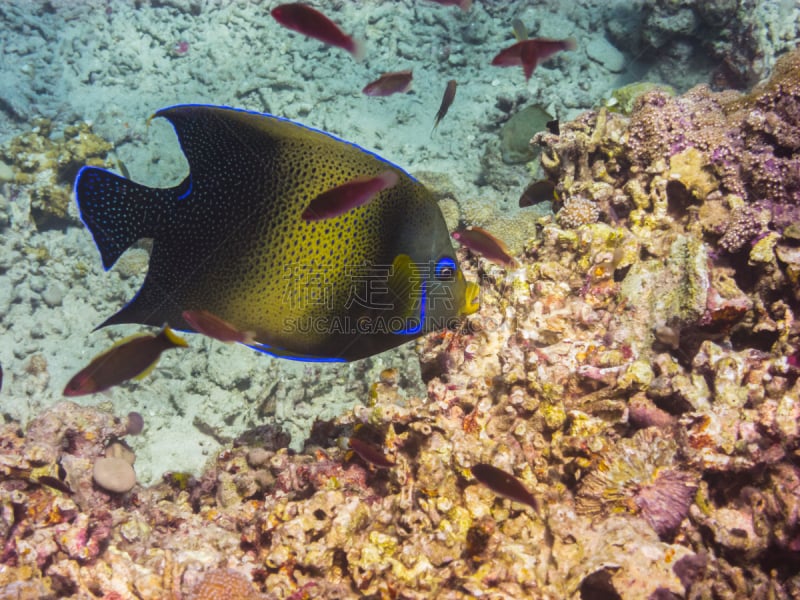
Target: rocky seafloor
(81, 79)
(637, 371)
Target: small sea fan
(641, 476)
(665, 502)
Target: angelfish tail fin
(117, 211)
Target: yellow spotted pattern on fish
(230, 240)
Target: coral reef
(721, 167)
(224, 584)
(733, 38)
(638, 372)
(46, 167)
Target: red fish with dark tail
(504, 484)
(131, 357)
(485, 244)
(529, 53)
(447, 100)
(303, 19)
(348, 196)
(209, 324)
(389, 83)
(370, 453)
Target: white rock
(600, 50)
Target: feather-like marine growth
(230, 240)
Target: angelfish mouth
(472, 300)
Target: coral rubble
(46, 167)
(638, 372)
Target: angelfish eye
(445, 269)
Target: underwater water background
(621, 419)
(111, 64)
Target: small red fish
(504, 484)
(309, 21)
(180, 48)
(134, 356)
(484, 243)
(464, 5)
(372, 454)
(389, 83)
(447, 100)
(530, 53)
(348, 196)
(211, 325)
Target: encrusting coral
(640, 378)
(46, 167)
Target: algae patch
(515, 137)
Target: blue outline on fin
(445, 261)
(189, 189)
(285, 120)
(277, 353)
(409, 330)
(80, 211)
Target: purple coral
(746, 224)
(665, 501)
(641, 475)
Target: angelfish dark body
(230, 240)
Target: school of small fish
(526, 52)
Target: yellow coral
(690, 167)
(624, 99)
(49, 165)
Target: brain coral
(224, 584)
